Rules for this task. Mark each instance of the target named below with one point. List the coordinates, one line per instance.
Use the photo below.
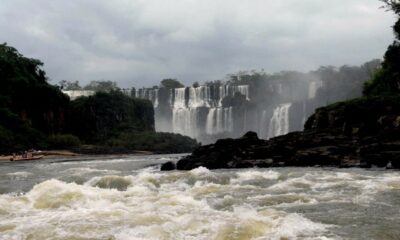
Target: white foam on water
(199, 204)
(200, 171)
(85, 170)
(19, 174)
(294, 226)
(196, 204)
(247, 175)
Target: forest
(36, 114)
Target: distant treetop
(387, 80)
(171, 83)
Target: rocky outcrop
(361, 133)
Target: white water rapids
(126, 198)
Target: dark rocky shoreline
(360, 133)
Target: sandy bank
(46, 154)
(52, 154)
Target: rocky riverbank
(361, 133)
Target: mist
(268, 104)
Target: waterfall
(184, 121)
(279, 123)
(304, 113)
(228, 119)
(219, 125)
(222, 94)
(263, 130)
(244, 90)
(313, 88)
(150, 94)
(189, 103)
(210, 121)
(179, 100)
(219, 120)
(74, 94)
(231, 90)
(199, 97)
(155, 98)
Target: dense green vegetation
(381, 94)
(339, 83)
(30, 108)
(104, 115)
(97, 86)
(35, 114)
(171, 83)
(154, 142)
(387, 80)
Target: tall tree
(29, 106)
(171, 83)
(68, 85)
(387, 80)
(102, 86)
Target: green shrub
(154, 142)
(63, 141)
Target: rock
(393, 157)
(168, 166)
(397, 122)
(250, 135)
(349, 162)
(363, 132)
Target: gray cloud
(139, 42)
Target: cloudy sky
(140, 42)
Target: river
(129, 198)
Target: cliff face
(364, 132)
(361, 117)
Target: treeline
(109, 86)
(337, 83)
(35, 114)
(386, 81)
(97, 86)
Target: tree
(196, 85)
(102, 86)
(171, 83)
(69, 86)
(372, 66)
(29, 106)
(393, 5)
(387, 80)
(103, 115)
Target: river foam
(197, 204)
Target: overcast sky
(139, 42)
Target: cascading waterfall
(155, 97)
(313, 88)
(74, 94)
(198, 111)
(179, 100)
(244, 90)
(185, 119)
(263, 128)
(199, 97)
(231, 90)
(279, 123)
(219, 120)
(210, 121)
(149, 94)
